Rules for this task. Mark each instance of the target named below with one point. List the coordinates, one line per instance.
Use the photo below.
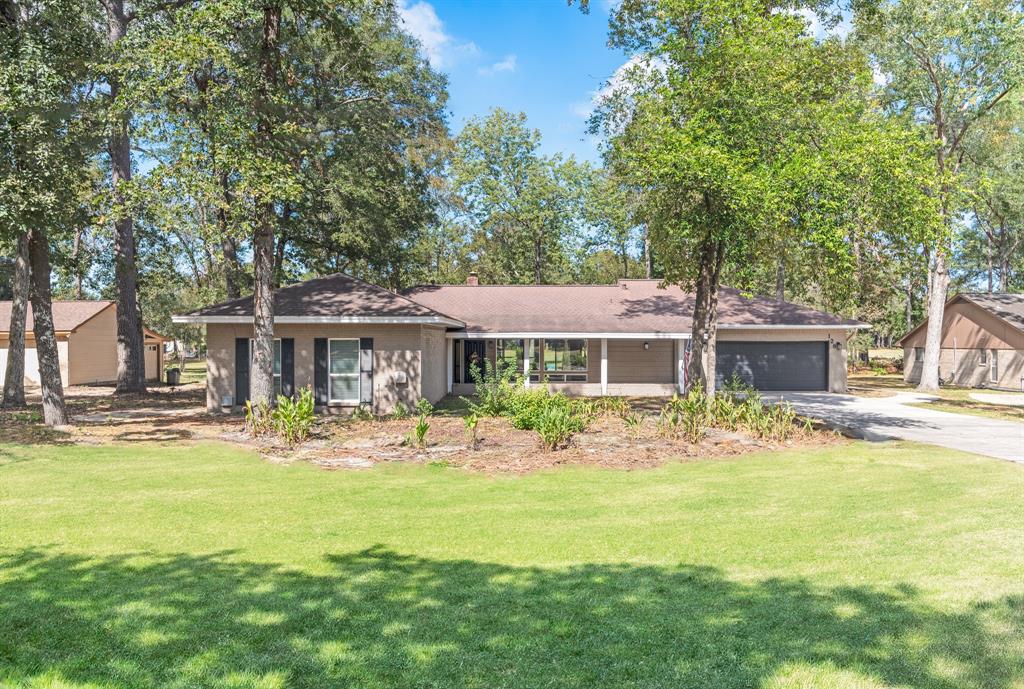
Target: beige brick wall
(434, 363)
(963, 367)
(395, 348)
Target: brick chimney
(472, 279)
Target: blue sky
(540, 57)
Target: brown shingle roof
(1009, 307)
(1004, 305)
(336, 295)
(631, 306)
(67, 315)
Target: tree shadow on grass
(380, 619)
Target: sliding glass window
(565, 355)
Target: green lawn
(855, 567)
(193, 372)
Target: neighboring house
(86, 343)
(357, 344)
(982, 342)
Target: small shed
(86, 343)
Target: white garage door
(31, 365)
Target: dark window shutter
(241, 370)
(320, 378)
(288, 366)
(366, 370)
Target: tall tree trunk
(54, 411)
(131, 371)
(14, 377)
(701, 370)
(232, 268)
(228, 244)
(648, 260)
(938, 270)
(938, 282)
(261, 387)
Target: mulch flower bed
(179, 416)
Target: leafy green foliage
(257, 419)
(293, 417)
(525, 207)
(418, 437)
(424, 407)
(494, 387)
(634, 423)
(687, 416)
(471, 421)
(555, 424)
(400, 411)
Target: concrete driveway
(886, 418)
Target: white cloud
(506, 65)
(421, 21)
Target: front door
(473, 353)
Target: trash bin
(173, 376)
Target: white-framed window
(983, 358)
(993, 370)
(277, 365)
(509, 353)
(343, 371)
(564, 361)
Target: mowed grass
(854, 567)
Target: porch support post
(604, 366)
(681, 365)
(450, 355)
(527, 357)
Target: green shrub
(361, 413)
(556, 424)
(470, 421)
(424, 407)
(493, 389)
(688, 416)
(293, 417)
(736, 385)
(634, 423)
(610, 406)
(400, 412)
(418, 437)
(525, 404)
(257, 419)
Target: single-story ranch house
(86, 343)
(358, 344)
(982, 342)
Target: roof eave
(200, 319)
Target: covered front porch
(634, 364)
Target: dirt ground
(176, 415)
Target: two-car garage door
(774, 365)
